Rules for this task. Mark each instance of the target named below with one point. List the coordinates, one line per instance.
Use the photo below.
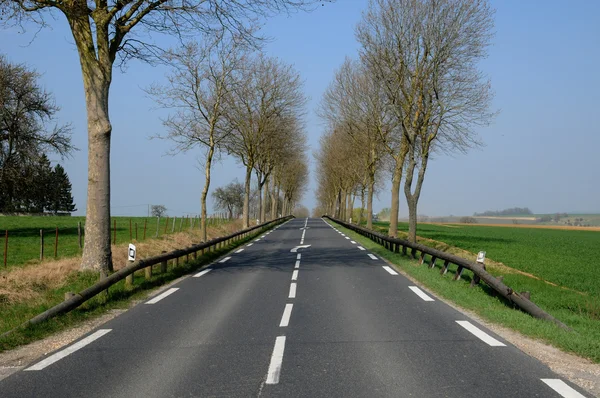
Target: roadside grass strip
(562, 388)
(162, 295)
(199, 274)
(69, 350)
(420, 293)
(276, 361)
(389, 270)
(287, 313)
(480, 334)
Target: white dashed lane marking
(199, 274)
(162, 295)
(562, 388)
(390, 270)
(420, 293)
(69, 350)
(480, 334)
(374, 257)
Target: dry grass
(30, 283)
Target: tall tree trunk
(209, 157)
(263, 213)
(246, 208)
(97, 77)
(362, 205)
(351, 206)
(259, 187)
(412, 199)
(370, 202)
(274, 201)
(396, 178)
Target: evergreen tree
(61, 200)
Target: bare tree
(230, 198)
(104, 32)
(425, 55)
(26, 110)
(270, 92)
(158, 210)
(203, 76)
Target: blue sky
(542, 150)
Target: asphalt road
(329, 320)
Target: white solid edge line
(292, 291)
(239, 251)
(225, 260)
(299, 256)
(295, 275)
(199, 274)
(480, 334)
(374, 257)
(361, 248)
(276, 361)
(297, 265)
(389, 270)
(162, 295)
(287, 313)
(562, 388)
(69, 350)
(420, 293)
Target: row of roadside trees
(227, 98)
(415, 90)
(115, 31)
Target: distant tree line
(28, 183)
(513, 211)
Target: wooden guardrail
(77, 299)
(479, 273)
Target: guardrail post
(404, 250)
(163, 265)
(432, 265)
(422, 258)
(129, 279)
(187, 258)
(195, 255)
(413, 253)
(148, 272)
(476, 278)
(459, 272)
(445, 267)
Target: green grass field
(566, 258)
(24, 235)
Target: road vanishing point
(332, 320)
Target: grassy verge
(574, 309)
(118, 296)
(24, 234)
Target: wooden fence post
(459, 272)
(79, 234)
(136, 236)
(145, 224)
(56, 244)
(5, 247)
(445, 267)
(41, 244)
(163, 265)
(114, 232)
(173, 228)
(181, 223)
(157, 225)
(166, 224)
(148, 272)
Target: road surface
(274, 319)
